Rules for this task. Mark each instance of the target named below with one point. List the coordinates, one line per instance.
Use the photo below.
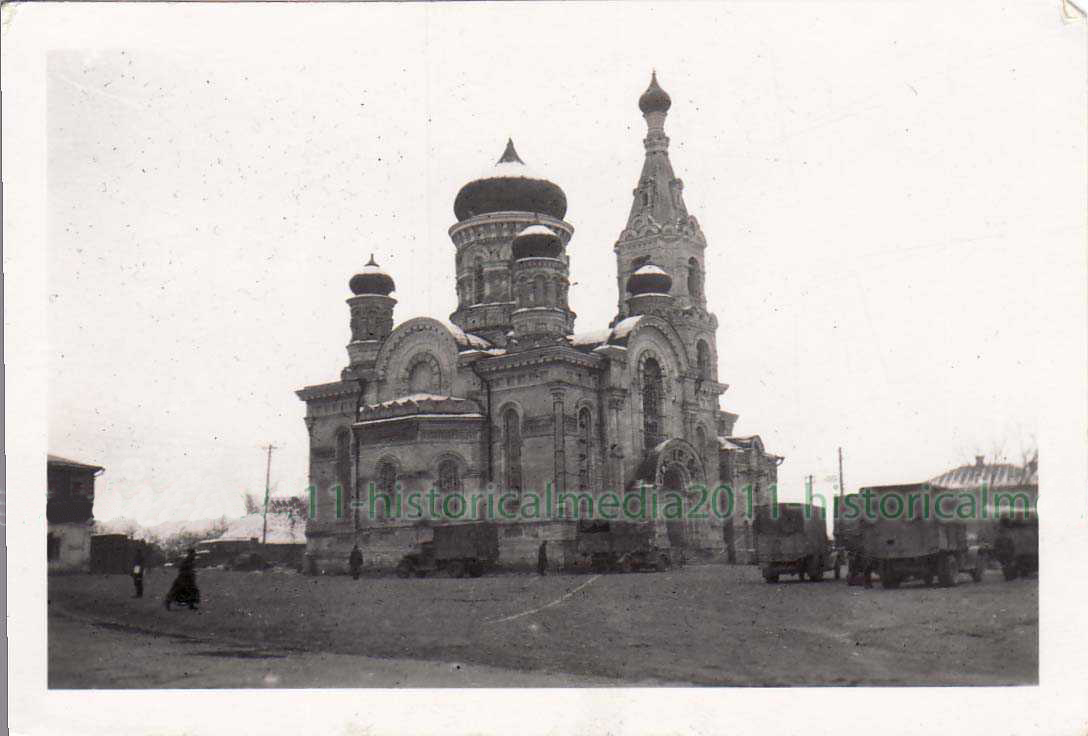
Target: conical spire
(658, 195)
(510, 155)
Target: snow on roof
(537, 230)
(465, 339)
(591, 338)
(624, 327)
(411, 399)
(282, 529)
(724, 444)
(651, 268)
(595, 338)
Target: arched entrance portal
(678, 468)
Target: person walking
(542, 558)
(184, 589)
(138, 572)
(355, 562)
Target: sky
(886, 193)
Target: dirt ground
(701, 625)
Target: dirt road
(709, 624)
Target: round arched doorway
(678, 468)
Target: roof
(65, 462)
(991, 475)
(464, 339)
(615, 334)
(422, 405)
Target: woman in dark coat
(184, 589)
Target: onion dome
(371, 280)
(537, 241)
(654, 99)
(509, 186)
(649, 280)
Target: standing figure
(355, 562)
(542, 558)
(184, 590)
(138, 572)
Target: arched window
(422, 378)
(511, 435)
(695, 279)
(478, 281)
(585, 445)
(449, 476)
(702, 359)
(652, 389)
(386, 489)
(343, 459)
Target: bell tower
(663, 244)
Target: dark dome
(371, 280)
(537, 241)
(510, 186)
(649, 280)
(654, 99)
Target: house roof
(65, 462)
(991, 475)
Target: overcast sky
(884, 193)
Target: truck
(905, 536)
(791, 539)
(1016, 544)
(611, 546)
(456, 549)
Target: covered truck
(607, 546)
(791, 539)
(909, 532)
(1016, 544)
(456, 549)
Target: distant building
(506, 400)
(69, 511)
(994, 486)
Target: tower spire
(658, 194)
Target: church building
(507, 403)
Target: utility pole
(267, 489)
(842, 488)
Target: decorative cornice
(557, 353)
(336, 389)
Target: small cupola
(649, 279)
(537, 241)
(371, 280)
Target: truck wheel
(456, 569)
(976, 571)
(628, 565)
(815, 569)
(927, 579)
(475, 569)
(889, 581)
(1009, 570)
(946, 571)
(663, 562)
(404, 569)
